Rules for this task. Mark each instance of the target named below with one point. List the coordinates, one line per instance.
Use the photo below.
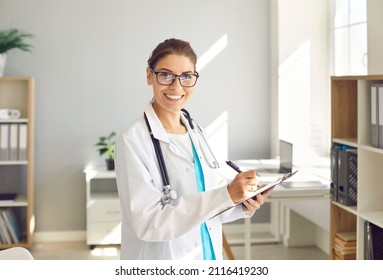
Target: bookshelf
(351, 126)
(16, 162)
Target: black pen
(234, 166)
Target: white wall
(89, 62)
(303, 93)
(304, 83)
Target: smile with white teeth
(173, 97)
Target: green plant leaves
(14, 39)
(105, 144)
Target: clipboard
(262, 189)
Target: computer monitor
(285, 156)
(285, 160)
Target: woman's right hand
(242, 185)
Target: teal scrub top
(208, 250)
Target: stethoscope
(169, 193)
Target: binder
(373, 242)
(23, 141)
(367, 241)
(348, 176)
(4, 139)
(13, 141)
(374, 116)
(334, 173)
(380, 115)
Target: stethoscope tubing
(167, 192)
(159, 155)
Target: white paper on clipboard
(264, 188)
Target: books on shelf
(5, 237)
(345, 246)
(13, 141)
(9, 228)
(348, 256)
(7, 197)
(346, 239)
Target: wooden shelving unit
(17, 174)
(351, 125)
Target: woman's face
(171, 98)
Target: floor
(81, 251)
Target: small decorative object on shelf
(12, 39)
(105, 145)
(6, 113)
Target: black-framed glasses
(167, 78)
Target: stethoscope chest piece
(168, 194)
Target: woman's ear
(149, 76)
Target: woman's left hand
(253, 204)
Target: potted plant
(12, 39)
(105, 145)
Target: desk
(293, 209)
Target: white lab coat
(150, 231)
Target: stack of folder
(345, 246)
(13, 141)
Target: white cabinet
(103, 215)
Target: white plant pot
(3, 59)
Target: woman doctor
(179, 221)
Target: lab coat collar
(157, 128)
(159, 131)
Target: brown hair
(172, 46)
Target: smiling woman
(171, 202)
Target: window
(350, 37)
